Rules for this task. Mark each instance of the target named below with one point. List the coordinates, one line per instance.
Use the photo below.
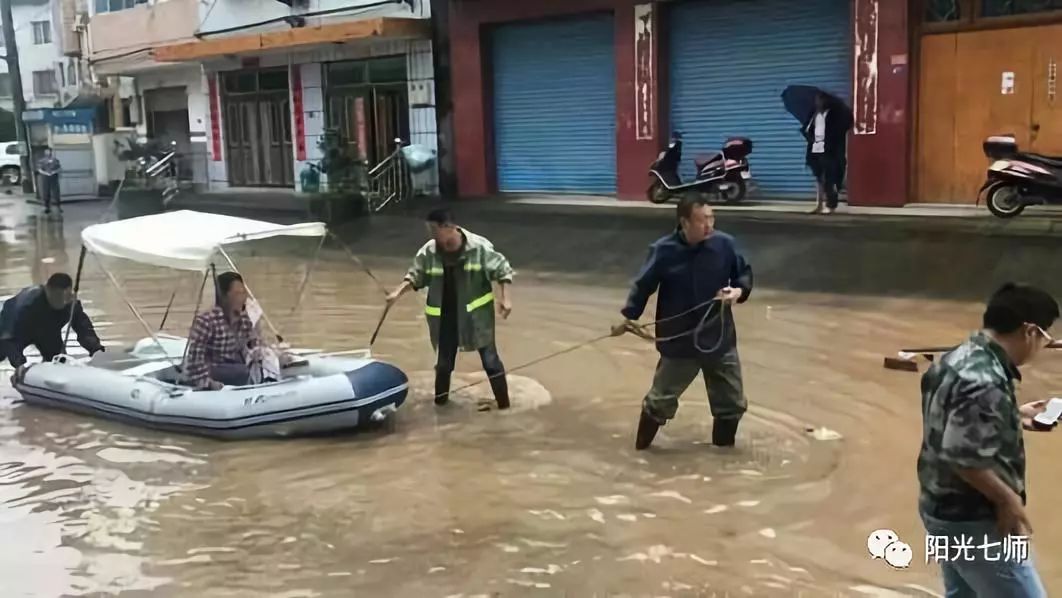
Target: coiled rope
(638, 330)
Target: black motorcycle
(722, 175)
(1019, 179)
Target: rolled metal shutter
(555, 106)
(730, 62)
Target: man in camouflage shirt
(972, 464)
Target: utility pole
(19, 101)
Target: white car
(10, 164)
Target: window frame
(53, 79)
(42, 32)
(970, 18)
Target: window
(71, 74)
(13, 150)
(1006, 8)
(943, 11)
(5, 85)
(116, 5)
(42, 32)
(44, 83)
(391, 69)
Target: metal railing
(165, 170)
(390, 181)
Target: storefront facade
(579, 96)
(269, 112)
(987, 67)
(270, 96)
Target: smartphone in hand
(1050, 416)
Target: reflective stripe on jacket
(478, 267)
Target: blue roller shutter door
(555, 106)
(730, 61)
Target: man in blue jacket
(690, 268)
(37, 315)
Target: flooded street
(548, 499)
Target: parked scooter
(722, 174)
(1019, 179)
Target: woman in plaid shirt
(221, 339)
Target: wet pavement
(548, 499)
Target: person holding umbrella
(825, 121)
(827, 135)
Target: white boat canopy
(184, 239)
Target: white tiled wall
(422, 125)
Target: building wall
(119, 41)
(878, 171)
(34, 57)
(192, 79)
(879, 150)
(310, 75)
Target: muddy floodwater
(548, 499)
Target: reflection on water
(546, 500)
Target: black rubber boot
(724, 432)
(647, 428)
(500, 386)
(442, 388)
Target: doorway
(368, 105)
(976, 84)
(258, 128)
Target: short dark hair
(1015, 304)
(689, 203)
(226, 280)
(440, 216)
(60, 281)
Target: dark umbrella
(799, 100)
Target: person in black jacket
(688, 268)
(36, 316)
(826, 131)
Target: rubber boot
(500, 386)
(442, 388)
(647, 428)
(724, 432)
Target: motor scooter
(722, 175)
(1019, 179)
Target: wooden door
(274, 118)
(1047, 105)
(962, 101)
(240, 141)
(935, 158)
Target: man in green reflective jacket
(459, 269)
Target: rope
(638, 330)
(356, 260)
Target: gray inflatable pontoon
(319, 394)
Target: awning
(185, 239)
(395, 28)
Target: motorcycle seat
(1049, 160)
(701, 161)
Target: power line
(289, 18)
